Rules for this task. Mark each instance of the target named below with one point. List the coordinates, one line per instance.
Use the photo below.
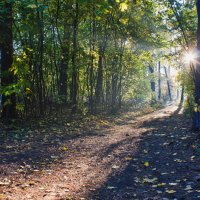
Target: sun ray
(190, 57)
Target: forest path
(154, 156)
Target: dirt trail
(151, 157)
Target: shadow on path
(164, 166)
(38, 147)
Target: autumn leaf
(128, 158)
(170, 191)
(123, 7)
(148, 180)
(161, 184)
(115, 167)
(64, 148)
(173, 184)
(33, 6)
(146, 164)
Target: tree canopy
(91, 55)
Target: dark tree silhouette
(6, 44)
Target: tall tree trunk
(64, 62)
(74, 90)
(196, 113)
(65, 49)
(90, 69)
(99, 84)
(168, 84)
(153, 84)
(120, 94)
(114, 84)
(159, 81)
(114, 72)
(40, 75)
(6, 47)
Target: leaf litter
(101, 159)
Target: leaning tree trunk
(6, 45)
(196, 113)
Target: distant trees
(77, 54)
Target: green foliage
(110, 39)
(187, 82)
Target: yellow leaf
(29, 49)
(128, 158)
(104, 122)
(161, 184)
(64, 148)
(28, 90)
(148, 180)
(170, 191)
(24, 55)
(124, 21)
(123, 7)
(146, 164)
(32, 6)
(178, 160)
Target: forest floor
(154, 156)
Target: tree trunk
(153, 84)
(39, 65)
(159, 81)
(74, 89)
(6, 45)
(99, 84)
(64, 62)
(168, 84)
(114, 85)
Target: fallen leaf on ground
(173, 183)
(128, 158)
(111, 187)
(64, 148)
(170, 191)
(148, 180)
(115, 167)
(188, 187)
(146, 164)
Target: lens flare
(189, 57)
